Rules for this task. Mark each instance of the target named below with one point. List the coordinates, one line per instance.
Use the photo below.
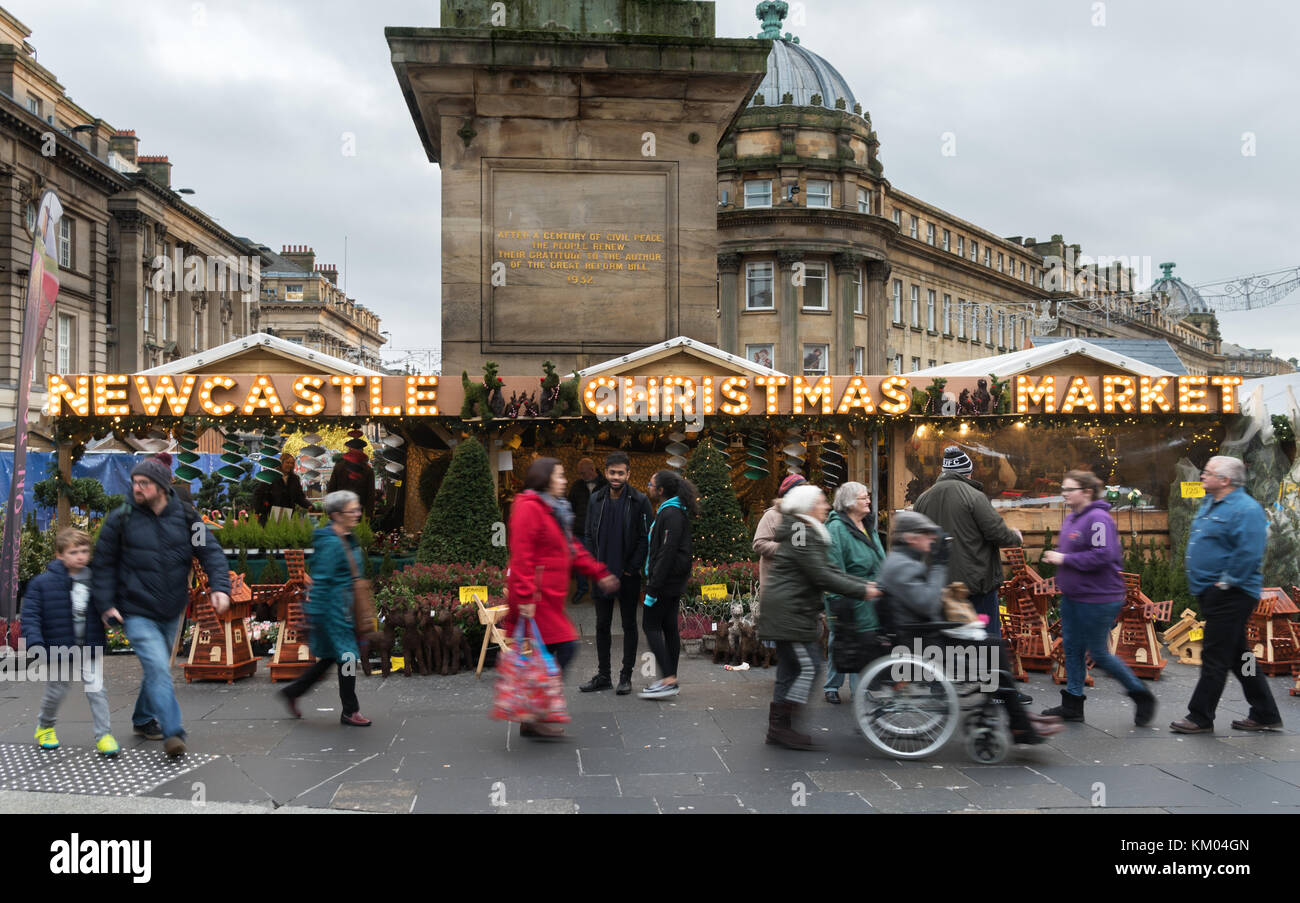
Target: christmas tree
(719, 533)
(462, 523)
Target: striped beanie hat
(956, 461)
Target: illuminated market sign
(666, 397)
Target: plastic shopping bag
(529, 687)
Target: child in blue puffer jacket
(59, 618)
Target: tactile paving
(73, 770)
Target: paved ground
(433, 749)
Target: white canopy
(1003, 365)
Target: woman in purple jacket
(1092, 593)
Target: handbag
(364, 621)
(529, 688)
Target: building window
(1040, 278)
(147, 311)
(859, 360)
(33, 105)
(65, 243)
(916, 305)
(864, 200)
(758, 286)
(763, 355)
(930, 312)
(999, 261)
(961, 319)
(814, 288)
(974, 322)
(1014, 346)
(63, 357)
(931, 364)
(1022, 271)
(947, 314)
(819, 194)
(988, 256)
(947, 239)
(896, 365)
(198, 331)
(758, 193)
(913, 227)
(961, 245)
(929, 233)
(816, 359)
(988, 325)
(974, 251)
(898, 218)
(857, 290)
(916, 364)
(165, 324)
(1002, 330)
(31, 218)
(898, 301)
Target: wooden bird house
(220, 649)
(1271, 634)
(1185, 638)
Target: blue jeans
(834, 679)
(152, 641)
(1085, 627)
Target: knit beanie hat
(956, 461)
(913, 522)
(789, 483)
(157, 468)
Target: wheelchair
(909, 707)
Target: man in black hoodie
(141, 578)
(617, 524)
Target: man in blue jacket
(1225, 552)
(617, 525)
(141, 577)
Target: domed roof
(796, 70)
(1183, 299)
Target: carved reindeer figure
(431, 640)
(733, 632)
(721, 643)
(412, 645)
(453, 642)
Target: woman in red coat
(543, 554)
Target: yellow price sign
(714, 591)
(468, 593)
(1196, 633)
(1002, 608)
(1193, 490)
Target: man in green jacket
(958, 504)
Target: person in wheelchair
(912, 582)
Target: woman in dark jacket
(329, 607)
(798, 576)
(668, 568)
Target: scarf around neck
(562, 511)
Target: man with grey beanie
(959, 506)
(141, 579)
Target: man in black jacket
(285, 492)
(141, 578)
(617, 522)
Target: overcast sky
(1120, 125)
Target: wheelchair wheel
(987, 745)
(905, 707)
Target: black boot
(1145, 701)
(1070, 709)
(780, 727)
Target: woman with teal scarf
(668, 567)
(855, 550)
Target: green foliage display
(83, 493)
(273, 573)
(461, 527)
(241, 563)
(719, 533)
(431, 478)
(212, 492)
(35, 548)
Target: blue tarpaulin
(112, 471)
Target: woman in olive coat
(798, 576)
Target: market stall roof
(678, 350)
(1016, 362)
(1278, 394)
(1156, 352)
(262, 352)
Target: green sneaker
(107, 746)
(46, 738)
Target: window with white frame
(1022, 271)
(988, 256)
(929, 233)
(931, 364)
(898, 301)
(916, 364)
(165, 320)
(898, 217)
(947, 314)
(816, 359)
(63, 355)
(758, 193)
(65, 242)
(916, 305)
(857, 290)
(930, 312)
(896, 365)
(1002, 329)
(864, 200)
(961, 319)
(198, 331)
(819, 193)
(815, 287)
(33, 105)
(1000, 257)
(961, 246)
(913, 226)
(146, 311)
(947, 239)
(974, 251)
(758, 285)
(974, 322)
(988, 325)
(859, 360)
(1014, 322)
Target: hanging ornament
(232, 456)
(268, 459)
(756, 462)
(188, 456)
(796, 452)
(311, 446)
(832, 464)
